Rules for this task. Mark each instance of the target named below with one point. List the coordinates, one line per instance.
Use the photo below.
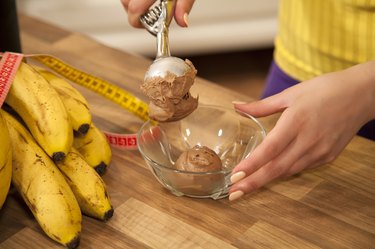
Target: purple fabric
(278, 81)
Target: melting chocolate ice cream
(170, 99)
(199, 159)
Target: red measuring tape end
(128, 141)
(8, 67)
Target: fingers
(306, 150)
(275, 142)
(264, 107)
(183, 8)
(125, 3)
(260, 168)
(281, 165)
(135, 9)
(300, 165)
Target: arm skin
(319, 118)
(136, 8)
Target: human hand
(136, 8)
(319, 118)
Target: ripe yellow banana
(88, 187)
(5, 161)
(43, 187)
(94, 148)
(75, 104)
(41, 108)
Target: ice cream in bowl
(194, 156)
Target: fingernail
(186, 19)
(236, 102)
(237, 176)
(235, 195)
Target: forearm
(363, 75)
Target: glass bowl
(231, 135)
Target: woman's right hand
(136, 8)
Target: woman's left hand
(319, 118)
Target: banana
(75, 104)
(43, 187)
(88, 187)
(41, 108)
(94, 148)
(5, 161)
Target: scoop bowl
(162, 65)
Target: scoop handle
(162, 39)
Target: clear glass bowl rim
(256, 121)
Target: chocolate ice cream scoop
(168, 79)
(199, 159)
(169, 95)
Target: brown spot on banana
(24, 140)
(37, 124)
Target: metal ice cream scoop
(157, 21)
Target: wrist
(365, 78)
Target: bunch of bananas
(53, 154)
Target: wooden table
(330, 207)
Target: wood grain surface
(329, 207)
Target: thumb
(264, 107)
